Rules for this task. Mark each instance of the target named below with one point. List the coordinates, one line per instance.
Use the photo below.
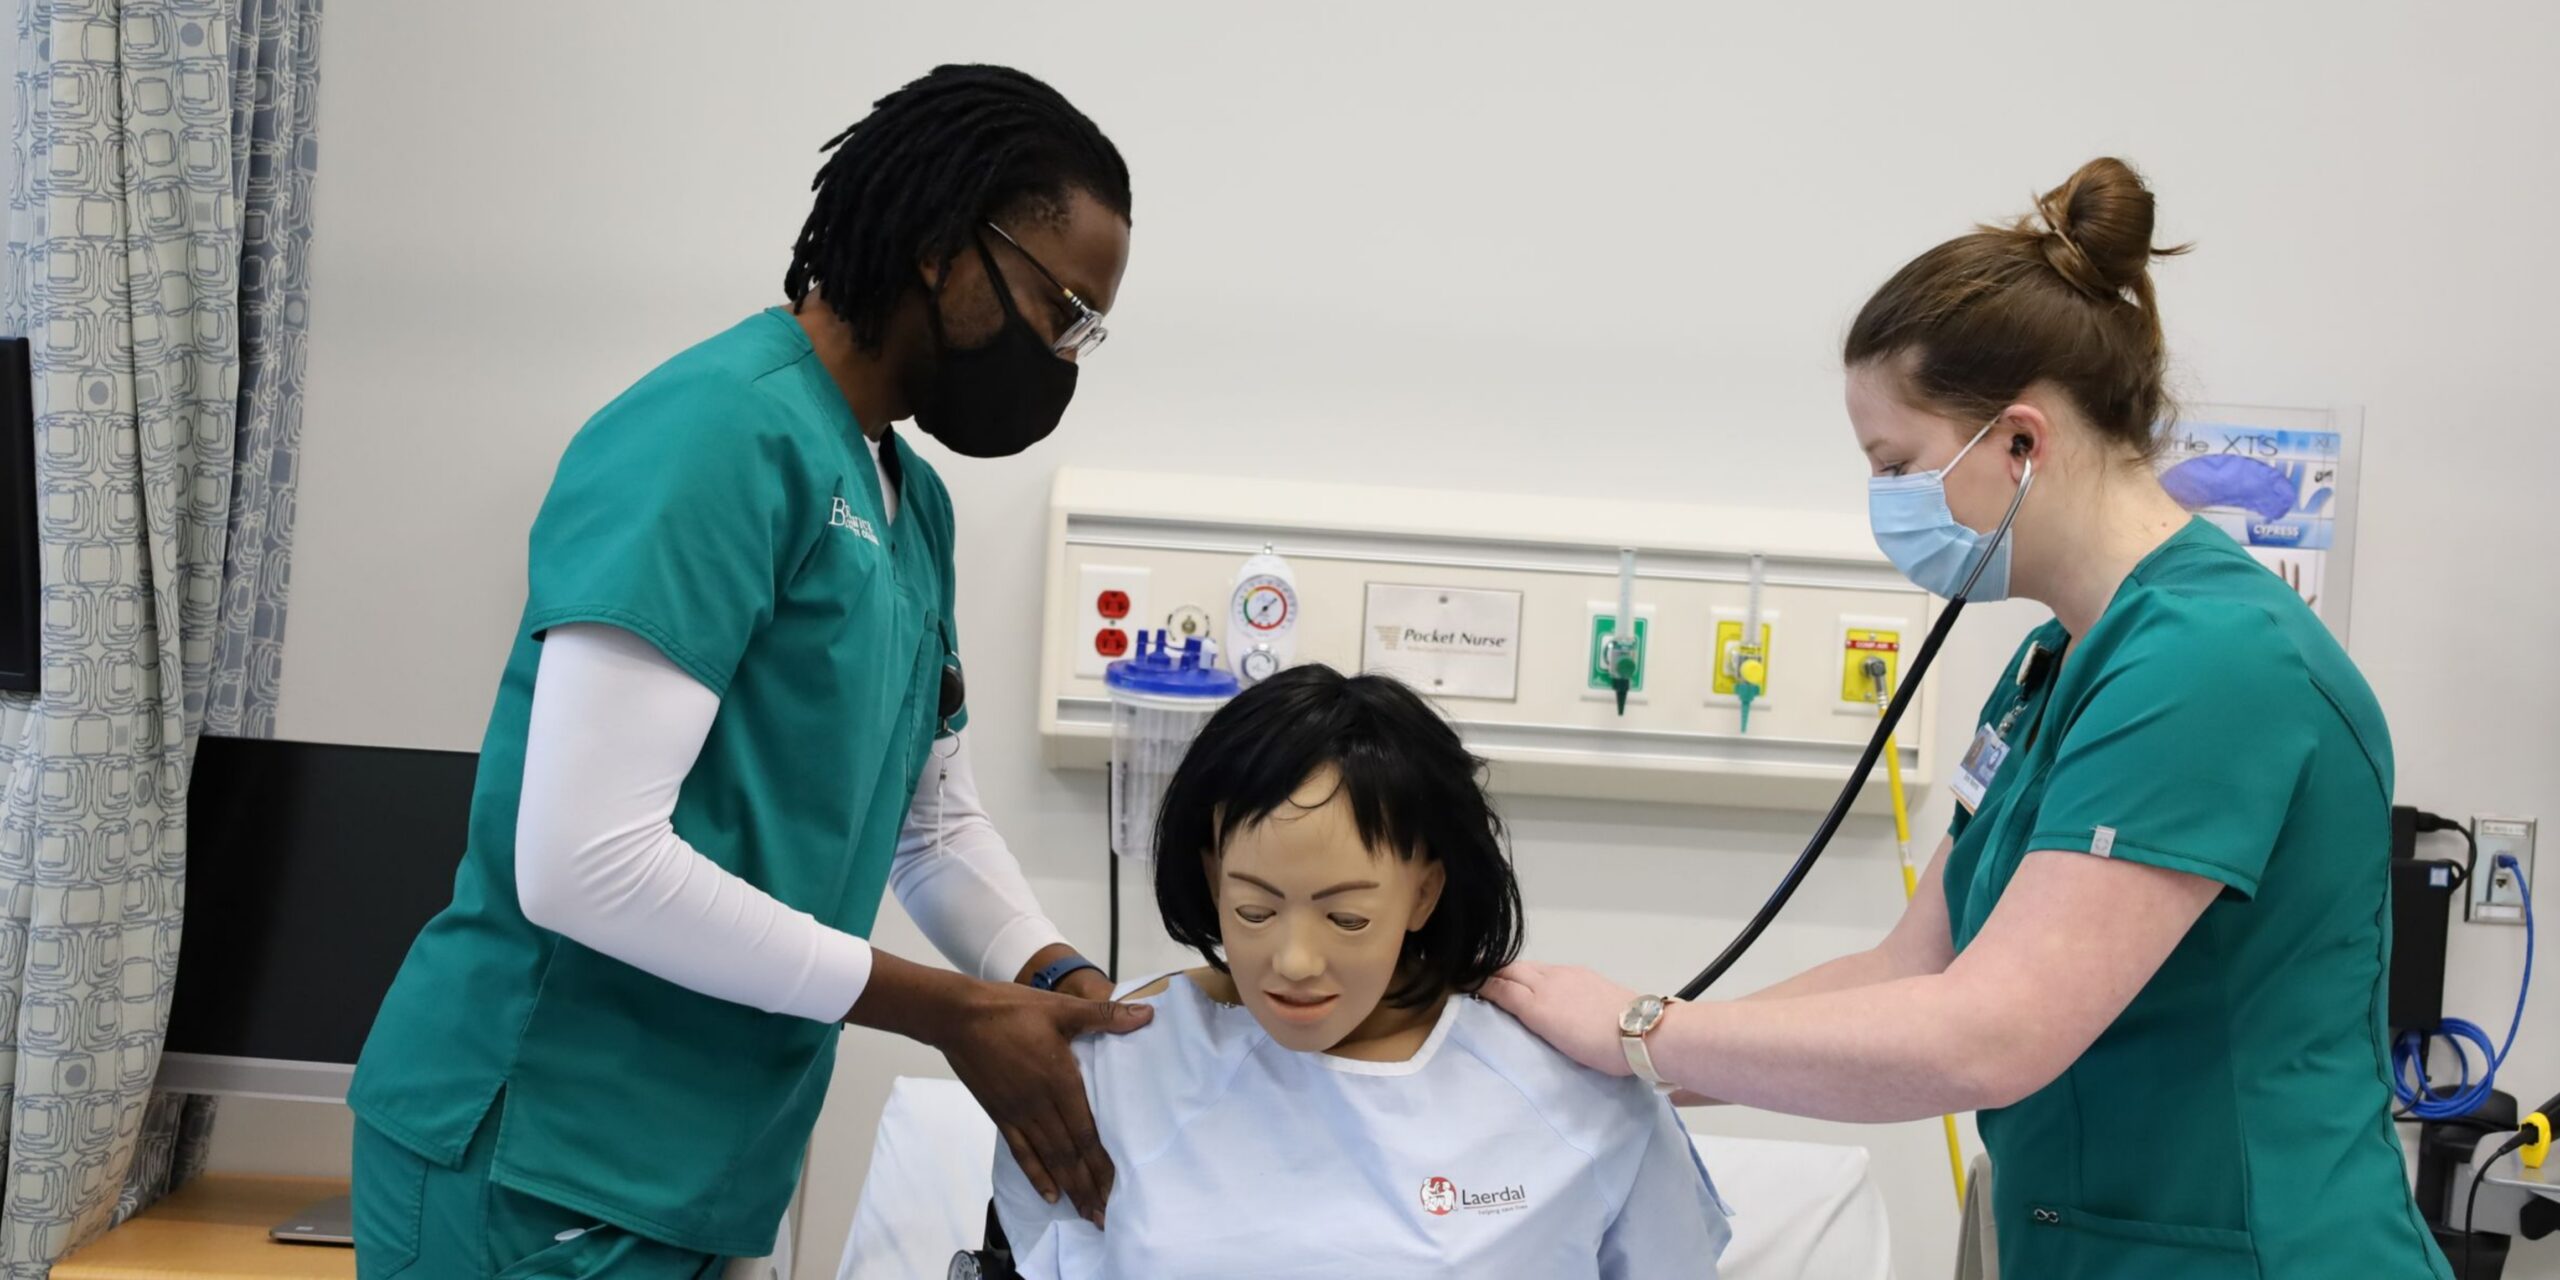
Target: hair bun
(2097, 229)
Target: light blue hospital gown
(1488, 1155)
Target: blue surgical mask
(1917, 532)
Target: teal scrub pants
(420, 1220)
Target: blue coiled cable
(2418, 1100)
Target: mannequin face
(1312, 921)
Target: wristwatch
(1634, 1025)
(1056, 971)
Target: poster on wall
(2282, 483)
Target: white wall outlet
(1110, 607)
(2495, 897)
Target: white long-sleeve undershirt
(615, 729)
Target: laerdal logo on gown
(1442, 1197)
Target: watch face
(964, 1266)
(1640, 1016)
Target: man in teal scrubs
(736, 665)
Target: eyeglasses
(1082, 334)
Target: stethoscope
(1866, 765)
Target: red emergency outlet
(1112, 642)
(1113, 605)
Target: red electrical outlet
(1111, 606)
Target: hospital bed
(1800, 1209)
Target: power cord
(2473, 1123)
(2525, 1133)
(2432, 823)
(2471, 1203)
(1111, 872)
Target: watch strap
(1056, 971)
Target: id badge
(1981, 764)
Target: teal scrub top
(2235, 1120)
(725, 508)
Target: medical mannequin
(1326, 1097)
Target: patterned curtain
(275, 64)
(147, 243)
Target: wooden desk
(216, 1229)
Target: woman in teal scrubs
(2152, 950)
(731, 716)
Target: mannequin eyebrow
(1348, 886)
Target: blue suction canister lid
(1160, 670)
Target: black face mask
(999, 398)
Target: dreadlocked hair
(932, 163)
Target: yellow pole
(1910, 877)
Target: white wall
(1500, 246)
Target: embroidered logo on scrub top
(844, 518)
(1441, 1197)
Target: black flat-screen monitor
(21, 583)
(310, 869)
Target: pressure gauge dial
(1262, 618)
(1264, 605)
(1257, 665)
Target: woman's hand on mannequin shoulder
(1577, 1011)
(1569, 1007)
